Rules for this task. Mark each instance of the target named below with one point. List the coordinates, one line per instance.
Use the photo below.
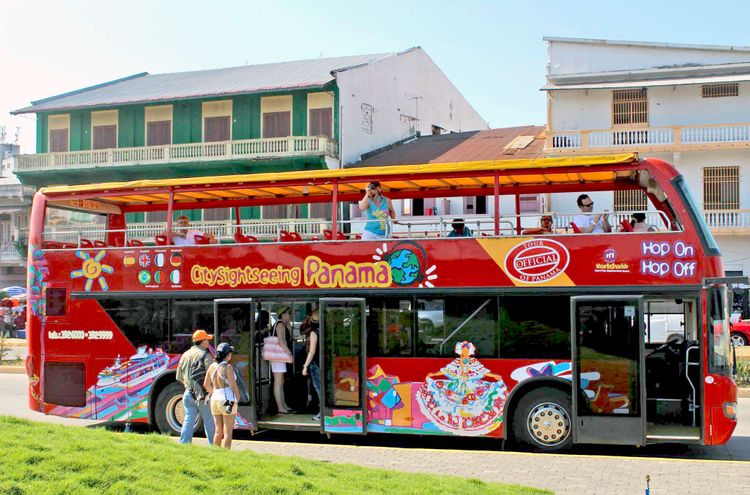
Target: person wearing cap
(282, 330)
(379, 210)
(195, 405)
(310, 328)
(224, 396)
(459, 229)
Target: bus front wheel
(169, 413)
(541, 421)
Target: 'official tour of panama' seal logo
(536, 261)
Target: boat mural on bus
(122, 389)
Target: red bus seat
(295, 237)
(134, 243)
(328, 235)
(99, 243)
(626, 227)
(575, 228)
(244, 239)
(51, 245)
(284, 236)
(202, 239)
(161, 240)
(85, 243)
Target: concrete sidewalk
(563, 474)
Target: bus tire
(169, 413)
(542, 420)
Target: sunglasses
(587, 204)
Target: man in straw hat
(191, 371)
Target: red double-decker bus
(541, 335)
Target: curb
(13, 369)
(743, 392)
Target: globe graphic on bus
(405, 266)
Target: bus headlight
(730, 410)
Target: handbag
(272, 351)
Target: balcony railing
(16, 191)
(728, 221)
(246, 149)
(650, 138)
(9, 253)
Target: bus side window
(534, 327)
(442, 323)
(389, 327)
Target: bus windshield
(708, 241)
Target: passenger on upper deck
(546, 227)
(588, 222)
(183, 235)
(639, 223)
(459, 229)
(379, 209)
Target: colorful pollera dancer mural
(463, 398)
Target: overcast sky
(491, 50)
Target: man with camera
(191, 371)
(379, 210)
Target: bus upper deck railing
(319, 230)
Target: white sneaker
(316, 417)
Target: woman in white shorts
(224, 395)
(282, 329)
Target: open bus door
(234, 323)
(609, 387)
(342, 367)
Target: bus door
(609, 387)
(234, 323)
(342, 366)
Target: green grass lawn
(38, 458)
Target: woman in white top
(282, 330)
(225, 394)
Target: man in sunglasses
(588, 222)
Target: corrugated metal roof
(492, 144)
(681, 81)
(142, 88)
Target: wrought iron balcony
(675, 138)
(246, 149)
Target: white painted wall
(667, 106)
(405, 86)
(578, 110)
(577, 57)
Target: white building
(687, 104)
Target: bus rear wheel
(541, 421)
(169, 413)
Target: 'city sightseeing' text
(314, 273)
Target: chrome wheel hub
(548, 424)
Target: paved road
(673, 469)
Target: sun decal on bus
(92, 269)
(408, 261)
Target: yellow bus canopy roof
(402, 178)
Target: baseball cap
(200, 335)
